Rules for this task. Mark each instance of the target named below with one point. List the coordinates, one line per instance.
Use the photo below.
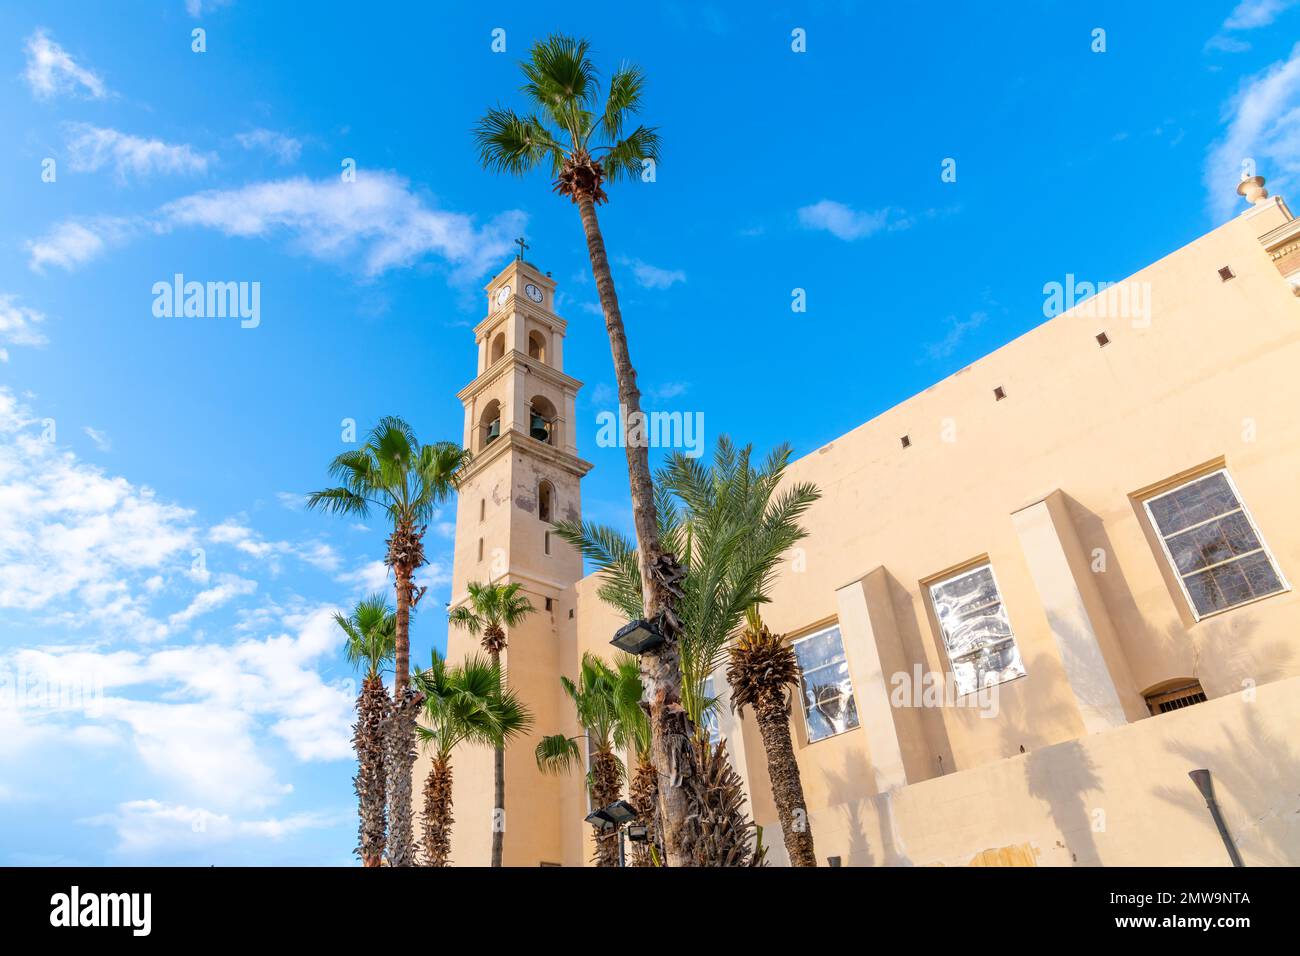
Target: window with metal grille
(1176, 698)
(976, 630)
(1213, 545)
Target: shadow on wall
(1060, 777)
(1259, 773)
(844, 792)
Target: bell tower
(525, 474)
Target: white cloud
(286, 149)
(652, 277)
(957, 329)
(18, 326)
(146, 828)
(372, 225)
(52, 71)
(228, 588)
(377, 222)
(1263, 124)
(244, 539)
(668, 390)
(75, 242)
(90, 148)
(100, 438)
(847, 223)
(196, 8)
(1250, 14)
(75, 541)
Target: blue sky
(218, 730)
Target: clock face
(502, 294)
(533, 292)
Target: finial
(1252, 188)
(522, 246)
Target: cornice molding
(515, 441)
(507, 363)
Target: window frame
(803, 708)
(948, 578)
(1254, 527)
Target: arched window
(489, 424)
(543, 424)
(537, 346)
(545, 500)
(498, 347)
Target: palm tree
(732, 523)
(491, 610)
(763, 667)
(601, 698)
(371, 632)
(392, 471)
(586, 142)
(462, 704)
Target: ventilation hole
(1103, 339)
(999, 393)
(570, 614)
(907, 442)
(1226, 273)
(548, 604)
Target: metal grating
(1176, 698)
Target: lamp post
(1206, 785)
(616, 816)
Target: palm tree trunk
(787, 786)
(604, 791)
(671, 747)
(401, 759)
(402, 658)
(437, 813)
(643, 793)
(373, 707)
(498, 784)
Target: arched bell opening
(537, 346)
(498, 347)
(543, 422)
(489, 424)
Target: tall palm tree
(408, 481)
(762, 671)
(490, 611)
(732, 521)
(371, 638)
(600, 698)
(584, 142)
(463, 704)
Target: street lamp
(637, 637)
(1204, 784)
(613, 817)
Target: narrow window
(1226, 273)
(548, 604)
(482, 509)
(548, 542)
(1103, 339)
(825, 688)
(999, 393)
(1212, 545)
(976, 630)
(710, 713)
(480, 549)
(545, 500)
(832, 861)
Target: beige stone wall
(1118, 798)
(1040, 484)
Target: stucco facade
(1045, 462)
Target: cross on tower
(522, 246)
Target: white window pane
(825, 688)
(976, 630)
